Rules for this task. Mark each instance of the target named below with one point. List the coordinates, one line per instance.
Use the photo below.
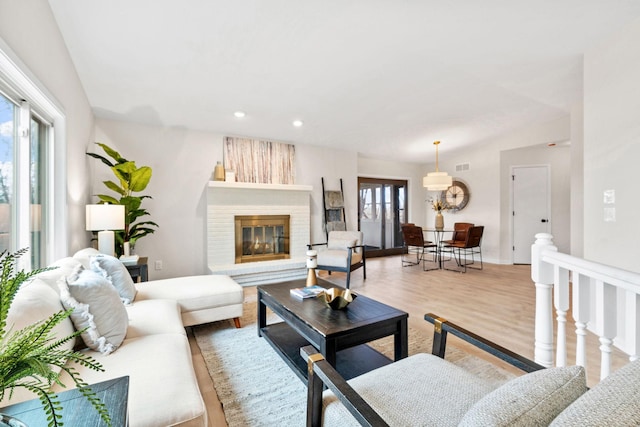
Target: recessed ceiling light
(239, 114)
(297, 123)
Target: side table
(76, 410)
(139, 271)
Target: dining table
(436, 235)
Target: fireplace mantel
(254, 186)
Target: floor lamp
(104, 219)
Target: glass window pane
(37, 189)
(8, 118)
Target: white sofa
(155, 352)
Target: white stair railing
(604, 300)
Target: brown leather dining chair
(460, 230)
(414, 243)
(469, 248)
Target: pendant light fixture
(437, 181)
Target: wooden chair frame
(321, 374)
(350, 267)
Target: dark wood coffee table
(340, 335)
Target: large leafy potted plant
(131, 179)
(28, 356)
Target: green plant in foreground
(131, 179)
(28, 355)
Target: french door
(382, 208)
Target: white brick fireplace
(226, 200)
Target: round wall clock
(456, 196)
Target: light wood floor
(497, 303)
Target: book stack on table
(307, 292)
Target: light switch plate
(609, 197)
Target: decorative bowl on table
(337, 298)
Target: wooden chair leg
(314, 387)
(236, 321)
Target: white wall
(488, 180)
(577, 180)
(612, 149)
(182, 162)
(29, 29)
(314, 163)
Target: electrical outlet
(158, 265)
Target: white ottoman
(202, 299)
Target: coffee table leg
(262, 314)
(328, 350)
(401, 341)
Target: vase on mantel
(218, 172)
(439, 221)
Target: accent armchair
(344, 252)
(424, 390)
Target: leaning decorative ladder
(334, 214)
(604, 300)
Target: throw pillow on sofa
(83, 256)
(115, 271)
(97, 307)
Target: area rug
(257, 388)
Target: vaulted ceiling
(382, 77)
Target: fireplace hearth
(261, 238)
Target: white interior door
(531, 208)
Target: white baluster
(632, 331)
(605, 357)
(561, 301)
(581, 314)
(605, 323)
(542, 275)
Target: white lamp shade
(437, 181)
(105, 217)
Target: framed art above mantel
(256, 161)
